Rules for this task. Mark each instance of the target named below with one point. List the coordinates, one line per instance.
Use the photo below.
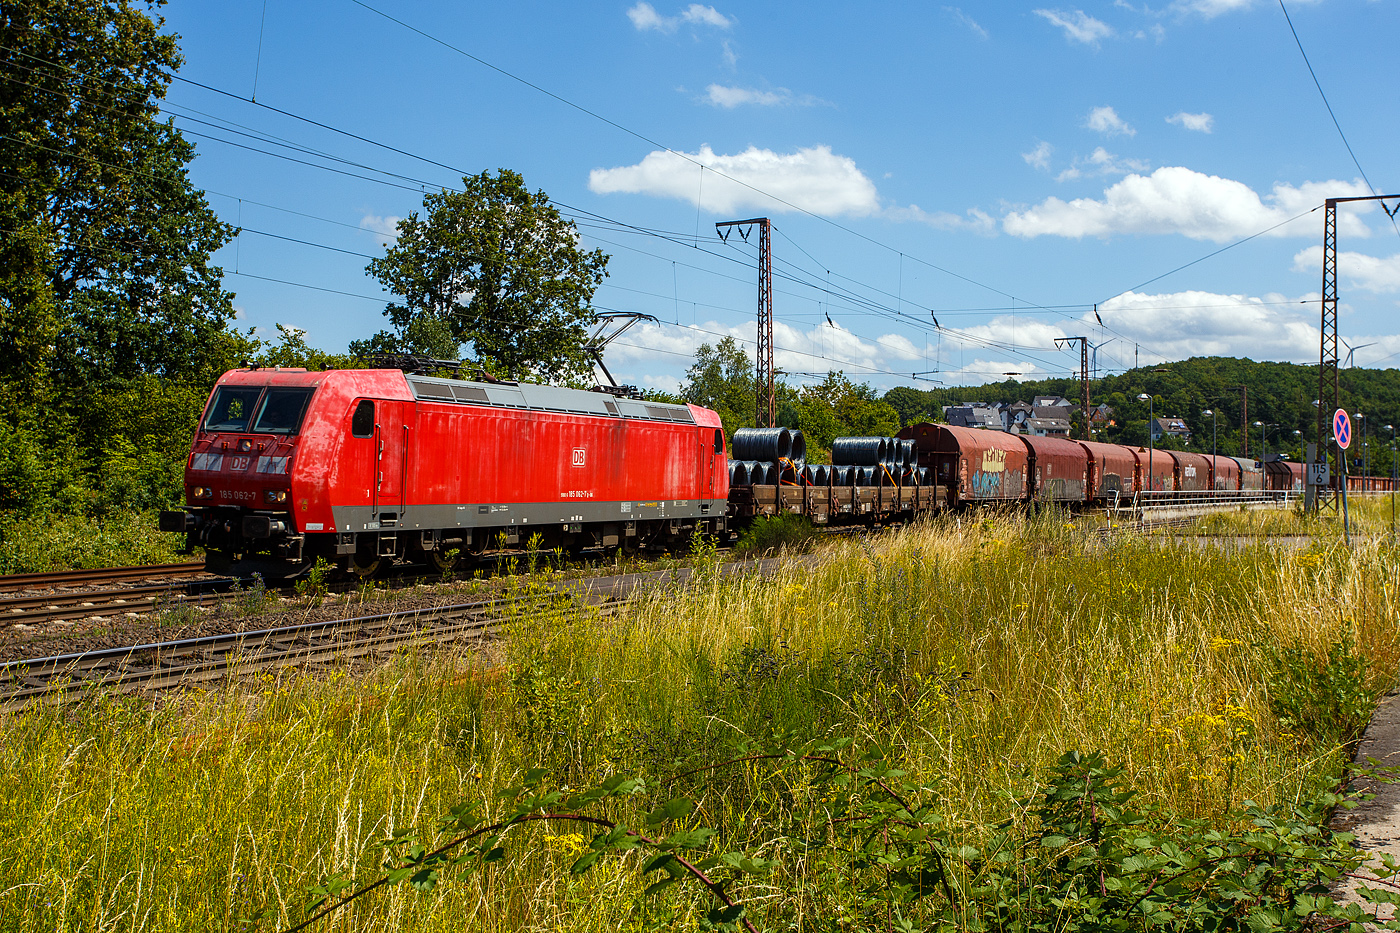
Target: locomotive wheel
(441, 562)
(361, 565)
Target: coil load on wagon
(771, 445)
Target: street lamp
(1144, 397)
(1394, 478)
(1211, 412)
(1362, 418)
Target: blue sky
(1002, 168)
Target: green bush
(776, 533)
(36, 543)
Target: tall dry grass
(975, 652)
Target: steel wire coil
(859, 451)
(768, 445)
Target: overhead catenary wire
(424, 182)
(1332, 113)
(617, 224)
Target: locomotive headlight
(245, 444)
(203, 492)
(276, 495)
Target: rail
(162, 665)
(26, 581)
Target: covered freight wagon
(1193, 471)
(1225, 473)
(1251, 473)
(975, 465)
(1161, 467)
(1112, 470)
(1059, 469)
(1284, 475)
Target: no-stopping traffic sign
(1341, 428)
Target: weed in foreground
(967, 656)
(1086, 854)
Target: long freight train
(359, 467)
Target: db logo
(579, 456)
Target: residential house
(1014, 416)
(1170, 427)
(974, 415)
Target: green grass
(1369, 515)
(974, 653)
(30, 544)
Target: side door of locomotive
(392, 437)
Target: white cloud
(1358, 270)
(1039, 157)
(1209, 9)
(644, 17)
(1195, 323)
(730, 97)
(817, 349)
(1101, 162)
(385, 229)
(240, 313)
(1106, 120)
(671, 384)
(1178, 200)
(813, 179)
(1078, 25)
(731, 58)
(706, 16)
(977, 220)
(966, 20)
(1200, 122)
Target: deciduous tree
(104, 254)
(496, 269)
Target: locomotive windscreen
(269, 410)
(281, 411)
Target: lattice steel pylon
(1329, 393)
(1083, 377)
(766, 396)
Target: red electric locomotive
(360, 466)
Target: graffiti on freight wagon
(986, 485)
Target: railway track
(34, 581)
(135, 600)
(164, 665)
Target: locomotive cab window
(282, 410)
(362, 422)
(232, 408)
(719, 441)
